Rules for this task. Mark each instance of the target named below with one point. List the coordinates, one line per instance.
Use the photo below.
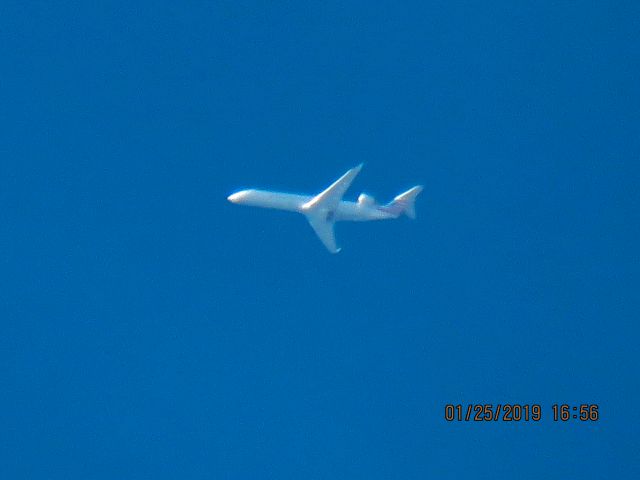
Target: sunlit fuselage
(345, 210)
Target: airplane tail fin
(405, 203)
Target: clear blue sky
(151, 329)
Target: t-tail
(404, 203)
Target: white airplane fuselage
(344, 211)
(327, 207)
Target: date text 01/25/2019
(515, 412)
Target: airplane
(327, 207)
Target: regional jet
(326, 208)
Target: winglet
(330, 197)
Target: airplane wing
(320, 209)
(330, 197)
(324, 230)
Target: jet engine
(366, 200)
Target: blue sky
(151, 329)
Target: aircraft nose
(236, 197)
